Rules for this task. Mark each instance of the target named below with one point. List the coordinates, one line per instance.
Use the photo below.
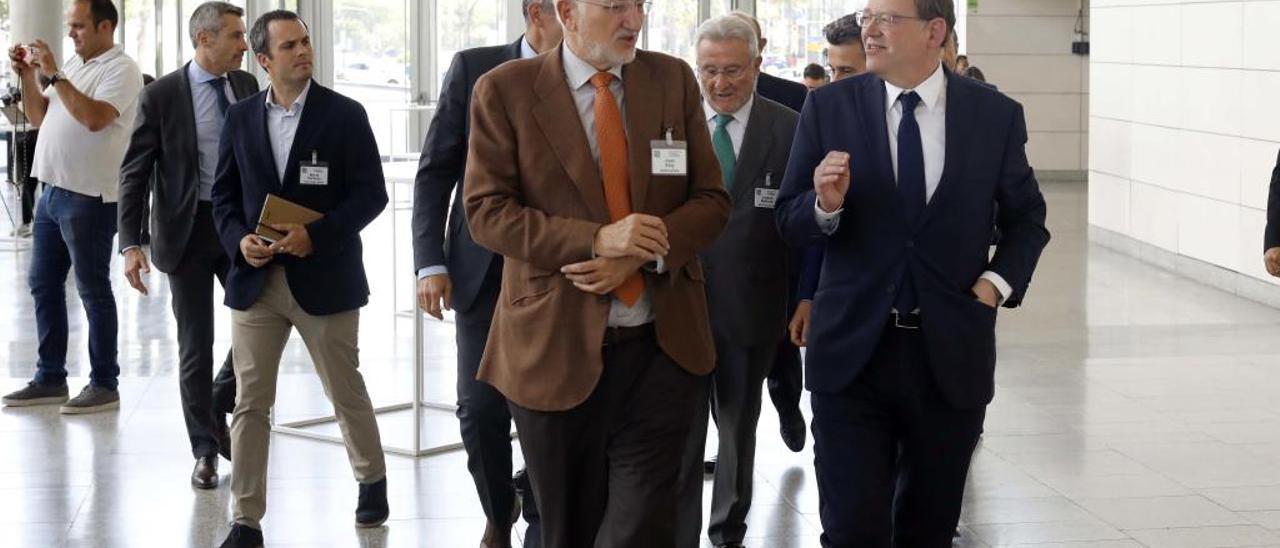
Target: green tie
(724, 149)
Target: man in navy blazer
(454, 272)
(309, 145)
(901, 170)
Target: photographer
(85, 116)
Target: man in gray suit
(746, 271)
(175, 142)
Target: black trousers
(786, 377)
(604, 473)
(891, 454)
(484, 417)
(205, 399)
(734, 396)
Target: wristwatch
(57, 77)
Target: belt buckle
(897, 322)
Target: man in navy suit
(901, 170)
(309, 145)
(456, 273)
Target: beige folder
(277, 210)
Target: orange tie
(612, 138)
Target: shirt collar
(930, 91)
(526, 49)
(579, 72)
(199, 75)
(108, 55)
(297, 103)
(741, 115)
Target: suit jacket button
(911, 243)
(892, 288)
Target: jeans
(73, 230)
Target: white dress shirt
(526, 52)
(282, 126)
(67, 154)
(737, 128)
(578, 74)
(931, 116)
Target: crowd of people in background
(634, 249)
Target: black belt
(619, 335)
(904, 321)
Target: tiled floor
(1134, 408)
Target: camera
(11, 96)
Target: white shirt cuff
(433, 270)
(828, 222)
(1001, 285)
(126, 250)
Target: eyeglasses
(865, 18)
(621, 7)
(732, 72)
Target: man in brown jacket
(591, 171)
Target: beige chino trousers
(258, 338)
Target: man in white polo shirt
(85, 116)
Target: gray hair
(750, 19)
(729, 27)
(526, 4)
(208, 18)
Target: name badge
(670, 157)
(313, 173)
(766, 198)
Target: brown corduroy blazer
(534, 195)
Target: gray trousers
(734, 397)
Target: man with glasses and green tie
(747, 276)
(591, 172)
(901, 171)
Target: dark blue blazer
(440, 179)
(337, 130)
(780, 90)
(946, 251)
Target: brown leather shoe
(205, 473)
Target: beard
(601, 53)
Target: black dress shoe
(793, 430)
(372, 509)
(205, 473)
(243, 536)
(730, 545)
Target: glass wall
(138, 33)
(463, 24)
(794, 31)
(671, 26)
(371, 64)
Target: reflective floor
(1134, 408)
